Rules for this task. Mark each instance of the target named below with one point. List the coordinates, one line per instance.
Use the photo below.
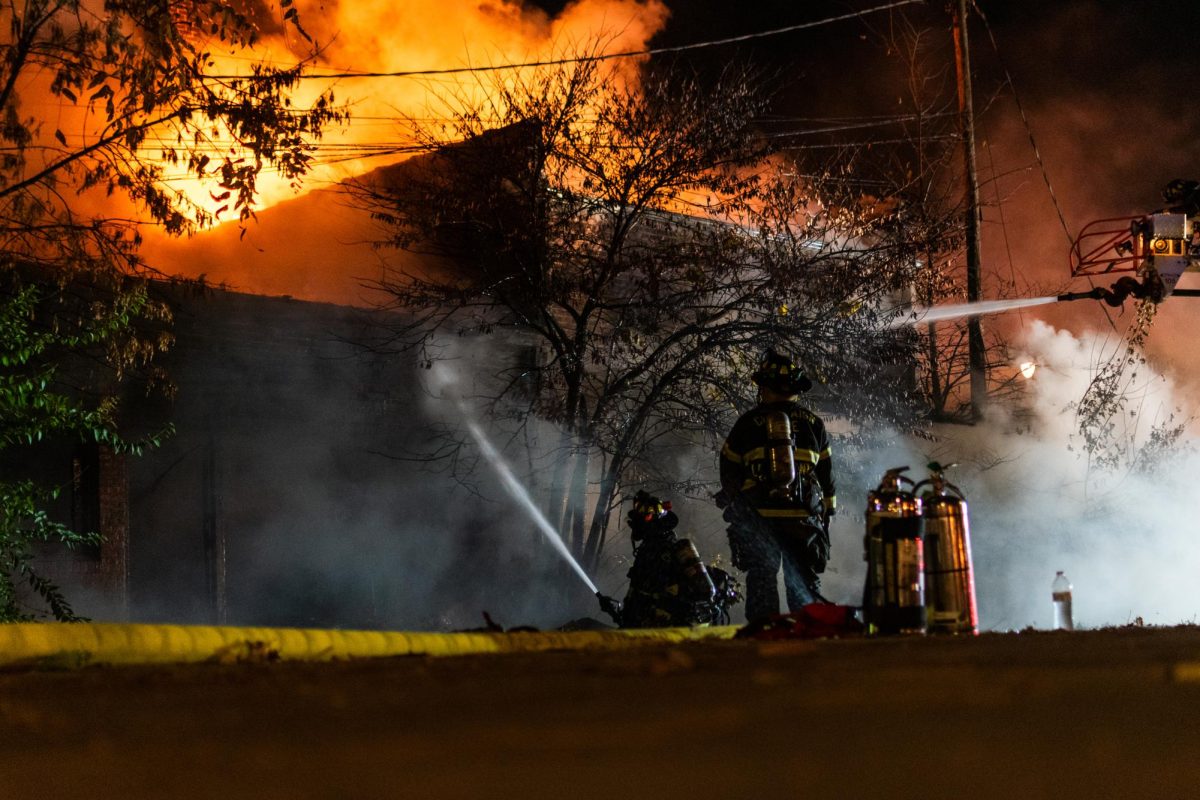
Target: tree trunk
(577, 497)
(557, 493)
(609, 483)
(938, 411)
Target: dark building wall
(92, 496)
(276, 412)
(286, 495)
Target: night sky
(1109, 87)
(1110, 80)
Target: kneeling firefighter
(668, 583)
(777, 491)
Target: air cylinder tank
(698, 584)
(949, 578)
(781, 457)
(894, 595)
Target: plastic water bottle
(1060, 592)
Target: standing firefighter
(668, 583)
(777, 491)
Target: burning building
(299, 486)
(285, 495)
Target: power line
(1033, 143)
(1025, 119)
(651, 51)
(860, 117)
(830, 145)
(848, 127)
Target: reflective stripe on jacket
(744, 459)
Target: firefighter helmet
(779, 373)
(650, 514)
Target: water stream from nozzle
(918, 316)
(521, 495)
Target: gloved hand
(818, 551)
(826, 516)
(610, 606)
(738, 550)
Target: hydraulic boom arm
(1157, 247)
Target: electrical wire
(650, 51)
(1033, 143)
(862, 117)
(881, 123)
(1025, 120)
(1012, 270)
(851, 144)
(388, 147)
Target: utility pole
(977, 356)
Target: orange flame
(378, 36)
(285, 255)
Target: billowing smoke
(1123, 533)
(325, 519)
(315, 247)
(1112, 132)
(1125, 536)
(423, 35)
(341, 537)
(302, 487)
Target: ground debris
(246, 652)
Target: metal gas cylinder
(894, 594)
(780, 452)
(698, 584)
(949, 578)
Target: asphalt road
(1097, 714)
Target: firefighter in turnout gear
(777, 491)
(668, 583)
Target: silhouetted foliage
(641, 234)
(1110, 415)
(102, 108)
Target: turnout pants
(761, 547)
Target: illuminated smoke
(1126, 538)
(1112, 132)
(386, 37)
(314, 247)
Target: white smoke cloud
(337, 536)
(1127, 538)
(514, 469)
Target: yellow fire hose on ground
(51, 644)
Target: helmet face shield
(780, 374)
